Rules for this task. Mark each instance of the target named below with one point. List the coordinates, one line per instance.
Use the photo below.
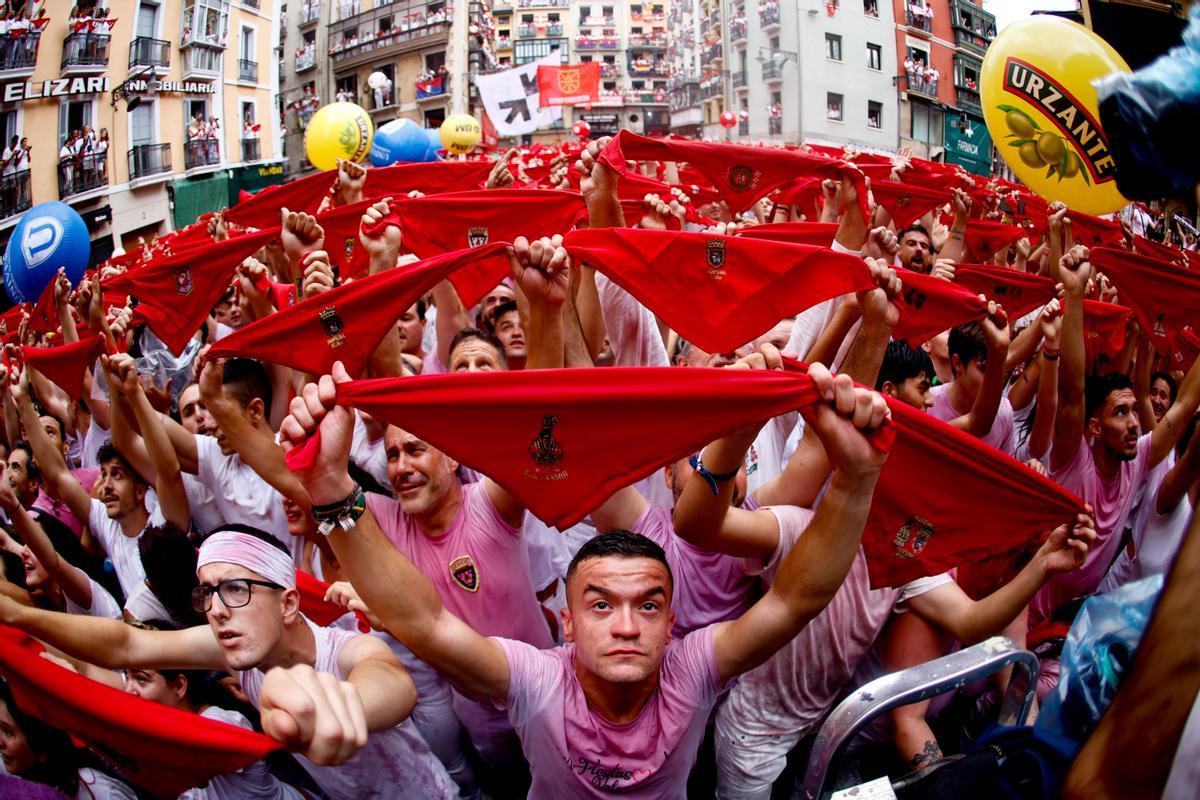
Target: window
(72, 116)
(874, 56)
(833, 106)
(927, 124)
(776, 98)
(833, 46)
(874, 114)
(871, 8)
(147, 20)
(533, 49)
(247, 44)
(774, 43)
(249, 117)
(141, 123)
(347, 89)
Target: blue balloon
(50, 235)
(433, 143)
(398, 140)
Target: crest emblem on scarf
(332, 323)
(714, 250)
(1159, 330)
(742, 178)
(183, 281)
(462, 570)
(903, 200)
(349, 247)
(546, 452)
(477, 237)
(568, 81)
(912, 537)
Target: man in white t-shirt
(976, 395)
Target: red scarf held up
(347, 323)
(1187, 348)
(176, 293)
(314, 605)
(740, 173)
(1104, 327)
(535, 432)
(162, 749)
(984, 238)
(815, 234)
(43, 315)
(805, 194)
(919, 527)
(718, 292)
(930, 305)
(1163, 296)
(1018, 292)
(262, 209)
(1092, 231)
(1149, 247)
(906, 204)
(66, 364)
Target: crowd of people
(171, 495)
(203, 140)
(83, 160)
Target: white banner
(512, 100)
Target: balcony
(18, 55)
(922, 23)
(85, 53)
(554, 29)
(543, 3)
(710, 90)
(247, 70)
(768, 18)
(645, 97)
(406, 36)
(432, 88)
(201, 63)
(594, 21)
(83, 173)
(149, 160)
(310, 12)
(597, 42)
(970, 41)
(640, 41)
(739, 80)
(200, 154)
(15, 194)
(503, 43)
(737, 30)
(526, 31)
(610, 71)
(250, 150)
(772, 70)
(775, 125)
(144, 52)
(968, 98)
(743, 127)
(712, 53)
(306, 57)
(502, 7)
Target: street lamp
(776, 56)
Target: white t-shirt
(241, 495)
(203, 510)
(1156, 537)
(103, 604)
(254, 782)
(95, 785)
(121, 549)
(369, 456)
(632, 330)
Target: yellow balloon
(1042, 112)
(338, 130)
(460, 133)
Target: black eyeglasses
(234, 592)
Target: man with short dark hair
(475, 350)
(974, 401)
(506, 324)
(906, 375)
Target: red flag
(1165, 297)
(570, 85)
(534, 431)
(66, 364)
(1018, 292)
(347, 323)
(162, 749)
(931, 305)
(176, 293)
(816, 234)
(984, 238)
(742, 174)
(718, 292)
(490, 138)
(1093, 231)
(1104, 327)
(905, 203)
(444, 223)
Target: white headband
(244, 550)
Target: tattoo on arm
(927, 756)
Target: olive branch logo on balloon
(1039, 148)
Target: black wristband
(712, 478)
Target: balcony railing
(201, 62)
(769, 17)
(610, 70)
(554, 29)
(393, 37)
(526, 31)
(247, 70)
(250, 150)
(967, 96)
(743, 127)
(82, 173)
(201, 153)
(146, 160)
(772, 70)
(737, 30)
(739, 79)
(306, 59)
(920, 22)
(15, 194)
(20, 53)
(712, 53)
(710, 90)
(83, 49)
(641, 40)
(595, 21)
(597, 43)
(145, 52)
(969, 39)
(310, 12)
(774, 125)
(645, 96)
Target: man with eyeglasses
(340, 700)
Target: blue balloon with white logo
(398, 140)
(50, 235)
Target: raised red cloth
(314, 605)
(434, 177)
(919, 527)
(906, 203)
(718, 292)
(568, 85)
(66, 364)
(931, 305)
(342, 244)
(177, 292)
(1163, 296)
(936, 175)
(985, 238)
(1149, 247)
(1187, 348)
(261, 210)
(43, 316)
(535, 432)
(1018, 292)
(1104, 326)
(742, 174)
(162, 749)
(817, 234)
(1093, 231)
(346, 323)
(805, 194)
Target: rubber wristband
(711, 478)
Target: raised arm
(1046, 412)
(978, 421)
(1141, 383)
(1073, 271)
(1179, 479)
(814, 569)
(71, 579)
(541, 269)
(451, 318)
(58, 479)
(598, 185)
(1170, 428)
(955, 247)
(399, 594)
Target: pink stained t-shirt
(709, 587)
(1002, 435)
(59, 509)
(1112, 500)
(574, 752)
(479, 566)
